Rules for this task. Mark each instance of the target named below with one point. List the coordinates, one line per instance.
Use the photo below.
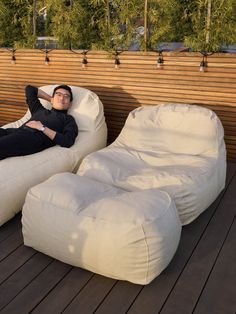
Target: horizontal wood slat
(137, 82)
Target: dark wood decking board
(10, 244)
(219, 293)
(19, 279)
(64, 292)
(37, 289)
(91, 296)
(154, 295)
(120, 298)
(14, 261)
(200, 279)
(186, 292)
(7, 229)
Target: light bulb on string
(13, 60)
(203, 64)
(160, 61)
(203, 67)
(117, 62)
(13, 57)
(84, 60)
(46, 60)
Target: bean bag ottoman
(177, 148)
(18, 174)
(123, 235)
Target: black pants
(20, 142)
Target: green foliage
(128, 15)
(181, 20)
(222, 25)
(161, 18)
(16, 23)
(113, 24)
(63, 24)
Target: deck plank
(10, 244)
(29, 298)
(22, 277)
(66, 290)
(120, 298)
(89, 299)
(9, 265)
(10, 227)
(200, 276)
(154, 295)
(185, 294)
(219, 294)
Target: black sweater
(57, 120)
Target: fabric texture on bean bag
(177, 148)
(18, 174)
(123, 235)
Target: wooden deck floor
(200, 279)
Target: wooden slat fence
(137, 82)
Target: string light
(13, 51)
(160, 61)
(46, 60)
(204, 64)
(117, 63)
(13, 57)
(117, 60)
(85, 59)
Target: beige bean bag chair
(117, 216)
(177, 148)
(18, 174)
(124, 235)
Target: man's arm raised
(43, 95)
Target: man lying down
(45, 128)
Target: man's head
(62, 97)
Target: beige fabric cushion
(177, 148)
(173, 128)
(18, 174)
(124, 235)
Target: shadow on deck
(200, 279)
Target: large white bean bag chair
(124, 235)
(18, 174)
(177, 148)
